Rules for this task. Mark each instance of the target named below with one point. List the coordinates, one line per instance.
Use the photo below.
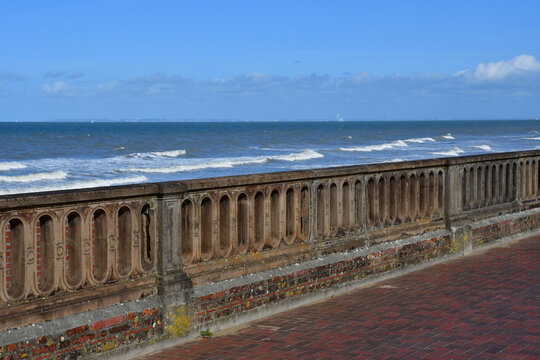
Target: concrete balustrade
(58, 249)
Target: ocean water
(53, 156)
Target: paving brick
(483, 306)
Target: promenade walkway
(484, 306)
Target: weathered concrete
(211, 252)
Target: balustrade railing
(66, 242)
(488, 183)
(54, 249)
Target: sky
(269, 60)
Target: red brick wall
(98, 337)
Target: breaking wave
(420, 140)
(304, 155)
(77, 185)
(54, 175)
(192, 167)
(454, 152)
(398, 143)
(481, 147)
(226, 163)
(11, 165)
(448, 136)
(158, 154)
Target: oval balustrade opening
(99, 245)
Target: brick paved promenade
(485, 306)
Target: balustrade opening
(412, 197)
(440, 193)
(320, 211)
(259, 221)
(333, 209)
(206, 230)
(508, 183)
(522, 187)
(514, 181)
(358, 203)
(73, 249)
(422, 196)
(305, 213)
(501, 196)
(124, 241)
(403, 199)
(487, 186)
(392, 200)
(224, 225)
(346, 204)
(382, 201)
(45, 253)
(432, 191)
(371, 209)
(528, 177)
(464, 199)
(186, 235)
(533, 177)
(275, 228)
(290, 216)
(494, 185)
(242, 223)
(479, 192)
(99, 245)
(15, 269)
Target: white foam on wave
(396, 160)
(225, 163)
(448, 136)
(192, 167)
(11, 165)
(369, 148)
(454, 152)
(481, 147)
(420, 140)
(53, 175)
(157, 154)
(533, 138)
(77, 185)
(304, 155)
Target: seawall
(107, 271)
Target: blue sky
(254, 60)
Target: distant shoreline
(247, 121)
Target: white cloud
(56, 87)
(519, 65)
(62, 73)
(108, 86)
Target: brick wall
(486, 234)
(234, 300)
(97, 337)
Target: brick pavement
(485, 306)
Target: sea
(46, 156)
